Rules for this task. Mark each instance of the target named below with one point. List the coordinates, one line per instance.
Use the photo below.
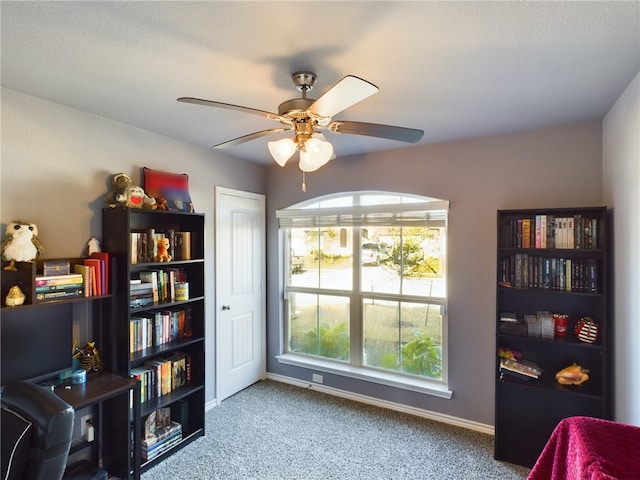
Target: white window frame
(412, 210)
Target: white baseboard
(419, 412)
(210, 404)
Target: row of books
(155, 328)
(160, 434)
(157, 286)
(549, 231)
(521, 270)
(144, 245)
(95, 272)
(161, 376)
(90, 278)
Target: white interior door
(240, 298)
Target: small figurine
(93, 246)
(15, 297)
(163, 250)
(20, 243)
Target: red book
(104, 256)
(97, 264)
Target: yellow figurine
(15, 297)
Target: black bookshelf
(562, 271)
(37, 339)
(129, 234)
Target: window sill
(374, 376)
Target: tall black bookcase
(131, 235)
(556, 261)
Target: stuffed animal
(163, 250)
(119, 184)
(20, 243)
(15, 297)
(124, 193)
(161, 204)
(134, 197)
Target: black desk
(111, 394)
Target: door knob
(226, 307)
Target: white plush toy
(20, 243)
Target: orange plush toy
(163, 250)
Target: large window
(365, 285)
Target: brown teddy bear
(163, 250)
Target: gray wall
(621, 180)
(57, 164)
(555, 167)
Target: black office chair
(37, 428)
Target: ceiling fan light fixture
(315, 153)
(282, 150)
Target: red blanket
(585, 448)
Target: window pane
(380, 334)
(321, 258)
(403, 260)
(319, 325)
(403, 336)
(421, 351)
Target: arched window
(365, 287)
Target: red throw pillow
(171, 190)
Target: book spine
(59, 295)
(58, 280)
(526, 233)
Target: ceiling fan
(308, 117)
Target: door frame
(219, 190)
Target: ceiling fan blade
(247, 138)
(348, 91)
(402, 134)
(230, 106)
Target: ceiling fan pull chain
(304, 183)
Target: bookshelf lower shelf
(183, 443)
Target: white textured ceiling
(453, 69)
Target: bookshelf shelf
(572, 280)
(155, 324)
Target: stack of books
(58, 287)
(141, 294)
(519, 370)
(161, 433)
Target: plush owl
(20, 243)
